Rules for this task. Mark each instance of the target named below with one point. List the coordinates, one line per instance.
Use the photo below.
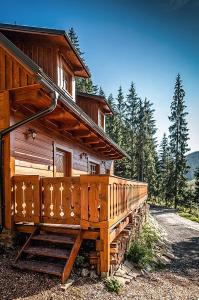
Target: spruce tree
(150, 153)
(119, 118)
(101, 92)
(110, 120)
(140, 142)
(165, 170)
(146, 154)
(84, 85)
(178, 140)
(131, 119)
(75, 41)
(119, 131)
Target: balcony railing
(88, 200)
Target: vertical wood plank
(105, 253)
(5, 122)
(8, 71)
(2, 69)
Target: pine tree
(178, 140)
(131, 119)
(75, 41)
(110, 120)
(101, 92)
(150, 153)
(196, 194)
(119, 132)
(84, 85)
(140, 142)
(95, 89)
(119, 118)
(165, 169)
(146, 154)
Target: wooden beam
(77, 69)
(57, 114)
(101, 145)
(82, 133)
(28, 94)
(91, 140)
(108, 151)
(113, 154)
(71, 125)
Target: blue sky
(147, 42)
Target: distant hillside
(193, 162)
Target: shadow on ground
(156, 210)
(16, 284)
(186, 262)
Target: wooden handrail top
(92, 177)
(110, 179)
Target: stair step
(47, 251)
(54, 238)
(39, 266)
(66, 226)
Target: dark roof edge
(43, 78)
(48, 31)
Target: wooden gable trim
(13, 73)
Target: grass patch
(189, 216)
(113, 285)
(141, 252)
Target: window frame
(101, 119)
(94, 169)
(66, 75)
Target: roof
(46, 31)
(63, 97)
(101, 99)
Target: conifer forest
(133, 127)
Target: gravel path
(184, 237)
(178, 281)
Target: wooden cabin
(56, 175)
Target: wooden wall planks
(44, 55)
(36, 157)
(12, 73)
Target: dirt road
(184, 237)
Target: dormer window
(66, 79)
(65, 76)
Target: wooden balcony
(100, 205)
(87, 200)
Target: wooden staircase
(48, 252)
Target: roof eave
(49, 31)
(49, 84)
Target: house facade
(56, 158)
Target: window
(66, 80)
(100, 119)
(65, 77)
(94, 168)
